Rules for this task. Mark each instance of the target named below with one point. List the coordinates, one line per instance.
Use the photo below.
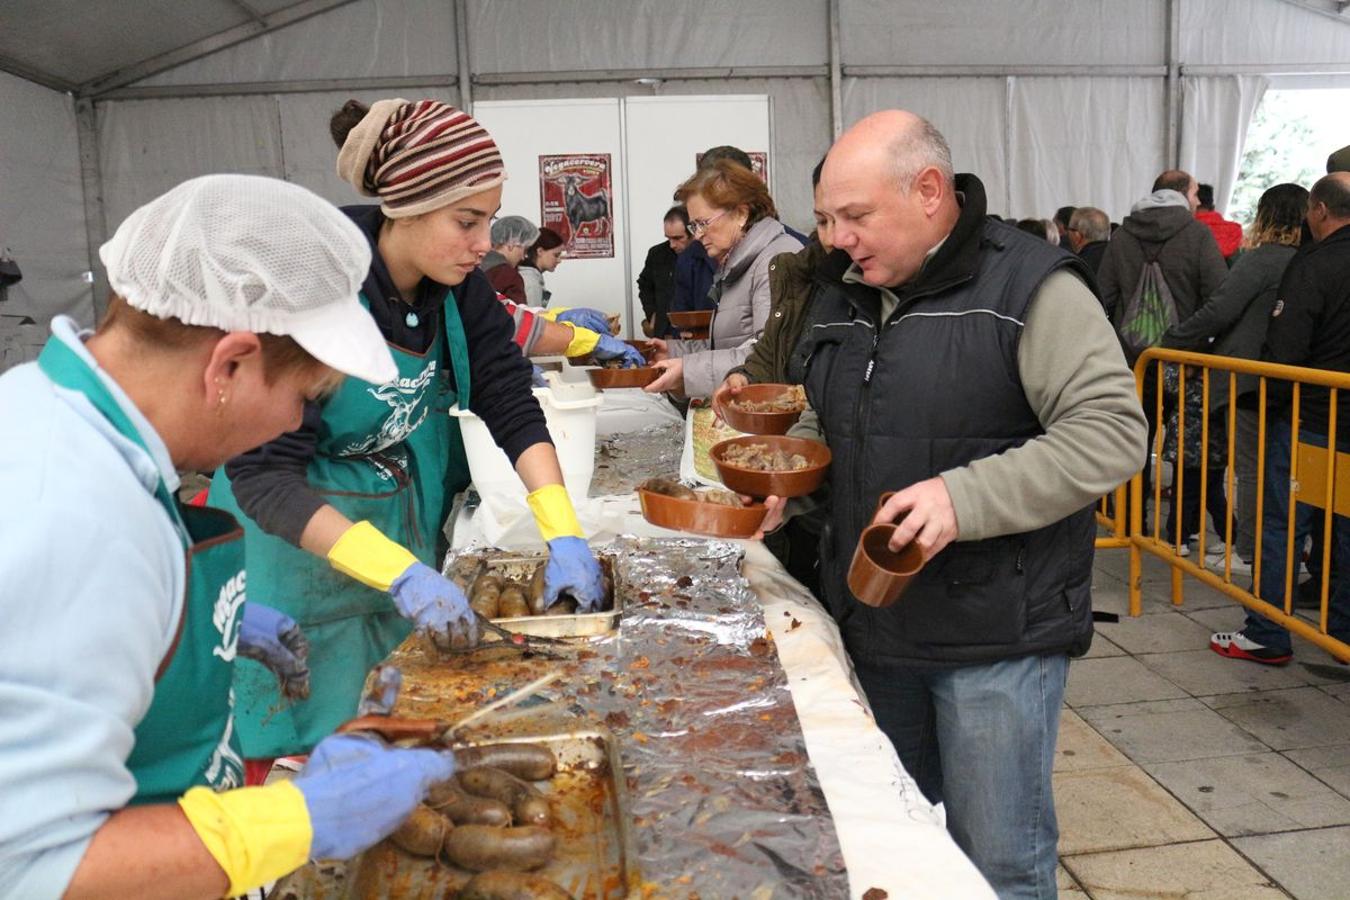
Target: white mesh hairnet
(246, 253)
(514, 230)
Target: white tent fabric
(41, 216)
(1258, 32)
(1218, 111)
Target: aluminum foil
(723, 798)
(623, 461)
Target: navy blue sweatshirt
(270, 482)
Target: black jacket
(935, 387)
(270, 482)
(656, 286)
(1092, 255)
(1310, 326)
(1184, 247)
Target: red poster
(759, 161)
(576, 200)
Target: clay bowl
(622, 378)
(710, 519)
(691, 321)
(753, 422)
(778, 484)
(878, 576)
(643, 347)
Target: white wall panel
(41, 215)
(1246, 32)
(1004, 32)
(562, 35)
(148, 146)
(1084, 142)
(970, 113)
(365, 39)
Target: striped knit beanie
(419, 156)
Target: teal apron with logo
(186, 737)
(391, 455)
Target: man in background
(656, 282)
(1227, 234)
(1089, 231)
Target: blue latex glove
(275, 640)
(592, 319)
(537, 378)
(572, 569)
(358, 790)
(613, 348)
(437, 605)
(382, 693)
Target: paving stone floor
(1183, 774)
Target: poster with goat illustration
(576, 200)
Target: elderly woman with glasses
(732, 215)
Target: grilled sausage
(512, 602)
(449, 799)
(482, 847)
(528, 806)
(422, 833)
(532, 762)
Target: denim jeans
(981, 739)
(1274, 534)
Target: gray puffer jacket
(741, 287)
(1161, 226)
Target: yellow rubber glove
(553, 513)
(552, 312)
(364, 553)
(583, 341)
(256, 834)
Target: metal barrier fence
(1314, 480)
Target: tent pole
(1172, 150)
(462, 55)
(91, 185)
(836, 75)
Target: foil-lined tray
(592, 821)
(723, 800)
(464, 570)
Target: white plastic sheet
(1218, 112)
(41, 216)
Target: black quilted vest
(934, 388)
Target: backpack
(1149, 312)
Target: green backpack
(1149, 312)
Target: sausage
(528, 806)
(485, 596)
(502, 885)
(449, 799)
(482, 847)
(536, 597)
(532, 762)
(422, 833)
(512, 603)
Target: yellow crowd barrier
(1315, 480)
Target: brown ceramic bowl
(643, 347)
(696, 517)
(754, 422)
(877, 575)
(622, 378)
(758, 483)
(691, 321)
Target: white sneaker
(1236, 645)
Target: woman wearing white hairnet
(343, 515)
(123, 610)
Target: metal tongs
(403, 731)
(530, 643)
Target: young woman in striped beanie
(345, 515)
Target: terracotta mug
(879, 575)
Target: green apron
(391, 455)
(186, 737)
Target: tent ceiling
(76, 45)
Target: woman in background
(542, 256)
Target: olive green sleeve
(1076, 381)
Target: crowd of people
(977, 371)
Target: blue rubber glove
(275, 640)
(613, 348)
(537, 378)
(572, 569)
(591, 319)
(358, 790)
(437, 605)
(382, 692)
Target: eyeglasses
(698, 226)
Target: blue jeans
(1274, 534)
(981, 739)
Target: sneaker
(1236, 645)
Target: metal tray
(595, 857)
(466, 568)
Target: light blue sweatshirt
(91, 589)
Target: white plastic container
(569, 403)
